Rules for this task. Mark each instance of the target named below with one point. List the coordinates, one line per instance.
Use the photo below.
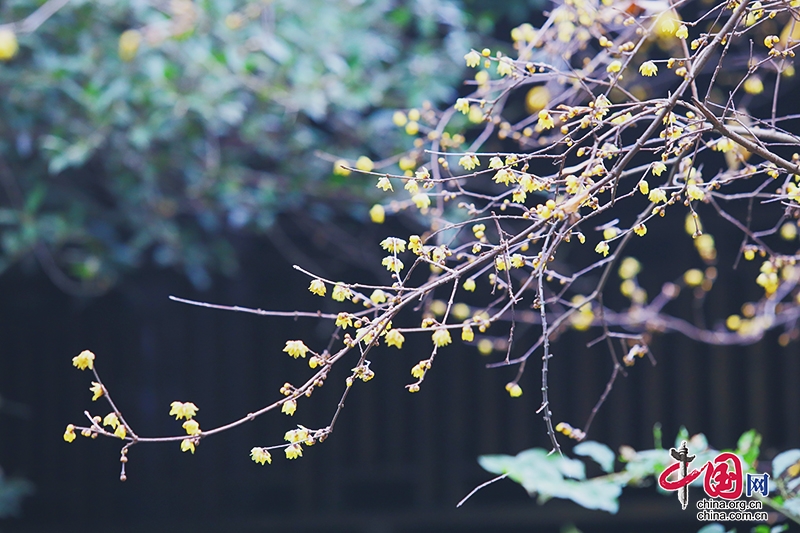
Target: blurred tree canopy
(139, 131)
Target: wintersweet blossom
(473, 59)
(293, 451)
(377, 214)
(394, 338)
(657, 195)
(343, 320)
(111, 420)
(84, 360)
(192, 427)
(185, 410)
(441, 337)
(648, 68)
(384, 184)
(514, 390)
(296, 348)
(97, 390)
(317, 287)
(187, 445)
(341, 292)
(394, 245)
(469, 161)
(289, 407)
(421, 200)
(69, 433)
(545, 120)
(261, 456)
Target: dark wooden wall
(397, 462)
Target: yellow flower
(394, 245)
(395, 338)
(467, 335)
(469, 161)
(648, 68)
(537, 99)
(788, 231)
(120, 432)
(111, 420)
(658, 168)
(640, 230)
(614, 66)
(421, 200)
(317, 287)
(384, 184)
(694, 192)
(753, 85)
(693, 277)
(771, 40)
(293, 451)
(683, 32)
(191, 427)
(84, 360)
(343, 320)
(473, 59)
(545, 120)
(644, 187)
(289, 407)
(365, 163)
(620, 119)
(341, 292)
(462, 105)
(441, 337)
(504, 176)
(187, 445)
(514, 390)
(418, 370)
(657, 195)
(185, 410)
(629, 267)
(129, 43)
(469, 285)
(602, 248)
(8, 44)
(505, 66)
(69, 434)
(296, 348)
(261, 455)
(378, 297)
(296, 435)
(339, 167)
(97, 390)
(399, 118)
(377, 214)
(392, 264)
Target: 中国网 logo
(724, 483)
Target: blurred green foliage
(203, 121)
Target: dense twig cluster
(608, 108)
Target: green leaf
(683, 435)
(553, 476)
(749, 446)
(600, 453)
(714, 528)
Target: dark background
(397, 461)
